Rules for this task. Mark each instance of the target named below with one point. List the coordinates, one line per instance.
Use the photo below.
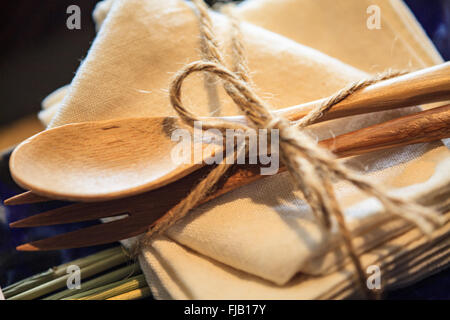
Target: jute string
(313, 169)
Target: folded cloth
(174, 271)
(413, 261)
(340, 29)
(263, 231)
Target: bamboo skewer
(61, 282)
(124, 286)
(140, 293)
(106, 279)
(57, 272)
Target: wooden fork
(144, 210)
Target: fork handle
(425, 126)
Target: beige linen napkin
(179, 273)
(262, 231)
(339, 29)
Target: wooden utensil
(145, 209)
(104, 160)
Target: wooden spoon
(103, 160)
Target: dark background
(39, 54)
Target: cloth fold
(262, 233)
(339, 29)
(189, 275)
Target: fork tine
(90, 236)
(72, 213)
(27, 197)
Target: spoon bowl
(97, 161)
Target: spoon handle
(423, 86)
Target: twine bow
(313, 169)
